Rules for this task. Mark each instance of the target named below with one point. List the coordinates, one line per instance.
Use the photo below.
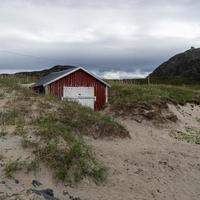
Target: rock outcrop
(183, 65)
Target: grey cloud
(119, 35)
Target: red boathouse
(75, 84)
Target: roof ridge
(64, 70)
(44, 81)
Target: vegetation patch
(26, 143)
(71, 163)
(198, 119)
(130, 93)
(148, 101)
(85, 121)
(190, 135)
(3, 132)
(66, 152)
(12, 167)
(59, 127)
(10, 117)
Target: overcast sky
(114, 38)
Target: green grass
(190, 135)
(128, 99)
(14, 166)
(87, 122)
(67, 153)
(131, 93)
(14, 80)
(10, 117)
(71, 163)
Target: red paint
(80, 79)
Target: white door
(83, 95)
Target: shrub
(71, 163)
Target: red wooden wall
(80, 79)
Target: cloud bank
(121, 74)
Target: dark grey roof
(50, 77)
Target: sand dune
(150, 165)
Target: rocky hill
(183, 65)
(44, 72)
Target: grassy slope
(131, 93)
(149, 101)
(58, 127)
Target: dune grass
(59, 127)
(190, 135)
(131, 93)
(149, 101)
(13, 80)
(14, 166)
(66, 152)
